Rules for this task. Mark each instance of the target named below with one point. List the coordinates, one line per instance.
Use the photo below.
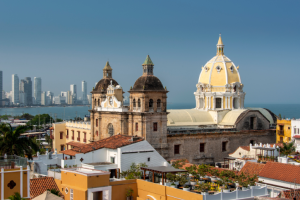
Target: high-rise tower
(84, 92)
(1, 85)
(37, 90)
(15, 89)
(28, 90)
(73, 90)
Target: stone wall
(190, 144)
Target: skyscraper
(15, 89)
(73, 90)
(22, 93)
(84, 92)
(1, 85)
(37, 90)
(28, 90)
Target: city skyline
(80, 38)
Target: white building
(43, 99)
(295, 124)
(37, 90)
(73, 89)
(15, 89)
(49, 97)
(89, 98)
(84, 92)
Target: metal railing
(280, 132)
(12, 161)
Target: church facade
(217, 126)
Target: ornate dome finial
(220, 46)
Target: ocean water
(70, 112)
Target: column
(99, 128)
(226, 102)
(213, 103)
(21, 181)
(28, 181)
(2, 183)
(92, 127)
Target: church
(217, 126)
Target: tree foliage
(54, 191)
(43, 118)
(11, 142)
(287, 148)
(134, 172)
(16, 196)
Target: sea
(70, 112)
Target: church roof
(107, 66)
(220, 42)
(231, 117)
(103, 84)
(148, 61)
(189, 117)
(150, 83)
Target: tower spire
(107, 71)
(220, 46)
(148, 66)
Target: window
(289, 138)
(110, 129)
(62, 147)
(139, 103)
(133, 103)
(158, 103)
(95, 102)
(84, 137)
(298, 130)
(252, 122)
(281, 139)
(289, 128)
(78, 138)
(224, 146)
(218, 103)
(252, 142)
(97, 133)
(67, 134)
(98, 102)
(149, 159)
(155, 126)
(202, 147)
(176, 149)
(136, 126)
(295, 130)
(72, 135)
(61, 135)
(96, 122)
(112, 159)
(151, 103)
(71, 194)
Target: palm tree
(16, 196)
(11, 142)
(287, 148)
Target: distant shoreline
(86, 105)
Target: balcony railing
(78, 139)
(280, 132)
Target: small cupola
(220, 47)
(107, 71)
(148, 66)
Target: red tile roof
(247, 148)
(252, 168)
(289, 194)
(75, 144)
(281, 171)
(112, 142)
(296, 136)
(39, 185)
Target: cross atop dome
(220, 47)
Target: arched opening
(98, 102)
(151, 103)
(110, 130)
(236, 103)
(158, 103)
(133, 103)
(218, 103)
(234, 88)
(139, 103)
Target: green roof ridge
(148, 61)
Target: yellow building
(283, 131)
(14, 178)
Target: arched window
(139, 103)
(234, 88)
(158, 103)
(133, 103)
(97, 133)
(98, 102)
(95, 102)
(218, 103)
(110, 130)
(151, 103)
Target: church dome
(148, 83)
(103, 84)
(219, 70)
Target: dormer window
(231, 68)
(206, 68)
(218, 68)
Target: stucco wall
(190, 144)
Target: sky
(65, 42)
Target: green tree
(54, 191)
(279, 116)
(43, 118)
(5, 117)
(287, 148)
(48, 140)
(134, 172)
(16, 196)
(12, 143)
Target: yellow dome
(219, 70)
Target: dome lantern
(148, 66)
(220, 47)
(107, 71)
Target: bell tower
(107, 71)
(148, 66)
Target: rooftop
(85, 171)
(252, 168)
(112, 142)
(39, 185)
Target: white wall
(127, 159)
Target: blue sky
(65, 42)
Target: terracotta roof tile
(296, 136)
(39, 185)
(289, 194)
(112, 142)
(252, 168)
(75, 144)
(247, 148)
(281, 171)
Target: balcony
(72, 137)
(12, 162)
(84, 140)
(78, 139)
(280, 132)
